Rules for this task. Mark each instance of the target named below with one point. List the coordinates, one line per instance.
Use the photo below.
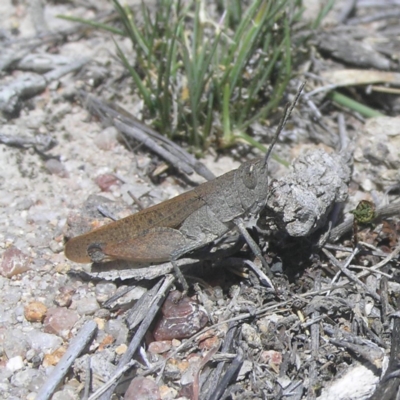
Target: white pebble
(15, 363)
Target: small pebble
(245, 369)
(31, 379)
(272, 358)
(121, 349)
(35, 311)
(14, 262)
(104, 290)
(65, 394)
(209, 343)
(172, 371)
(160, 347)
(102, 313)
(14, 364)
(251, 336)
(30, 354)
(107, 139)
(101, 323)
(60, 320)
(103, 367)
(118, 329)
(87, 306)
(106, 181)
(167, 393)
(105, 341)
(53, 358)
(44, 342)
(142, 389)
(56, 247)
(55, 167)
(181, 318)
(15, 343)
(64, 296)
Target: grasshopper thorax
(252, 185)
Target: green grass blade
(94, 24)
(347, 102)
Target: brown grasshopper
(173, 228)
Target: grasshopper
(173, 228)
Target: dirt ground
(327, 331)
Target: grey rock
(15, 344)
(87, 306)
(118, 330)
(44, 342)
(104, 290)
(31, 379)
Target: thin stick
(136, 340)
(77, 345)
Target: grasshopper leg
(253, 245)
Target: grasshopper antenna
(286, 115)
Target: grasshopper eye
(95, 252)
(249, 175)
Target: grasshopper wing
(111, 239)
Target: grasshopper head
(252, 185)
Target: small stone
(106, 181)
(56, 247)
(142, 388)
(106, 139)
(107, 340)
(167, 393)
(209, 343)
(64, 296)
(172, 371)
(176, 343)
(121, 349)
(65, 394)
(15, 363)
(102, 313)
(87, 306)
(53, 358)
(104, 290)
(245, 369)
(118, 329)
(31, 379)
(272, 358)
(251, 336)
(188, 375)
(14, 262)
(101, 323)
(15, 343)
(30, 354)
(181, 318)
(60, 321)
(44, 342)
(55, 167)
(160, 347)
(102, 365)
(35, 311)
